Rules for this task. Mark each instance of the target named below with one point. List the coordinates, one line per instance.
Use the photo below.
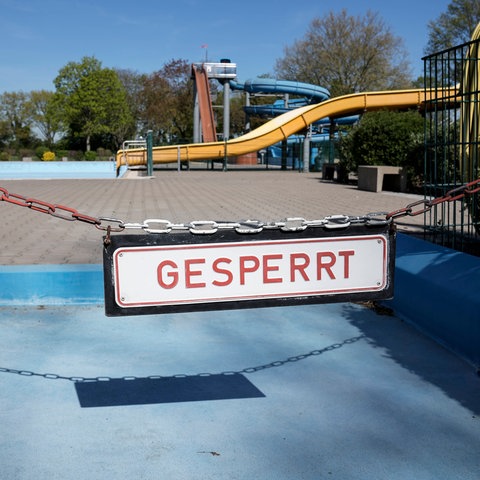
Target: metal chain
(198, 227)
(423, 206)
(257, 368)
(206, 227)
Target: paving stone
(30, 237)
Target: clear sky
(38, 37)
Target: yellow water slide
(281, 127)
(470, 110)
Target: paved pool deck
(308, 392)
(32, 238)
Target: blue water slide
(309, 94)
(276, 108)
(269, 85)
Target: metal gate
(452, 135)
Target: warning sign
(157, 273)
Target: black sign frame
(230, 235)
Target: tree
(154, 107)
(347, 54)
(16, 119)
(453, 27)
(118, 116)
(167, 102)
(237, 115)
(98, 106)
(45, 114)
(4, 134)
(94, 101)
(133, 83)
(69, 77)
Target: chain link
(197, 227)
(207, 227)
(257, 368)
(424, 206)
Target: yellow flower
(48, 156)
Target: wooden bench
(375, 178)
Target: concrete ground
(35, 238)
(307, 392)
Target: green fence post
(149, 153)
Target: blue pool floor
(311, 392)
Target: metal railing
(452, 134)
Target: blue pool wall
(34, 285)
(63, 170)
(436, 289)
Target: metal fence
(452, 134)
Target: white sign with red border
(235, 271)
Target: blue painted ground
(308, 392)
(327, 391)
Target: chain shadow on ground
(156, 389)
(399, 341)
(423, 357)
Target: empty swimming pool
(49, 170)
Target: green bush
(4, 156)
(103, 153)
(385, 138)
(39, 151)
(90, 155)
(62, 154)
(26, 152)
(75, 155)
